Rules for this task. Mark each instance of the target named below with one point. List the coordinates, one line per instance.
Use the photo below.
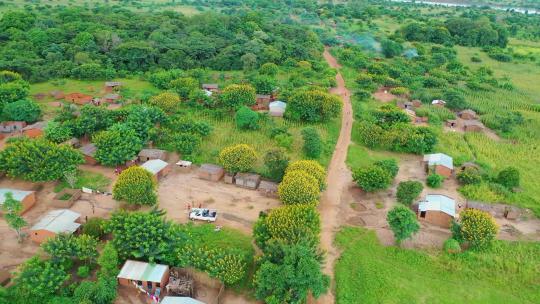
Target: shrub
(237, 95)
(403, 222)
(184, 86)
(83, 271)
(276, 162)
(24, 110)
(451, 246)
(389, 165)
(399, 91)
(408, 191)
(477, 228)
(434, 180)
(313, 145)
(167, 101)
(298, 187)
(284, 140)
(508, 177)
(313, 106)
(246, 119)
(94, 227)
(469, 176)
(238, 158)
(136, 186)
(269, 68)
(476, 59)
(372, 178)
(312, 168)
(57, 132)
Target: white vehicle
(203, 214)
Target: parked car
(203, 214)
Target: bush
(284, 140)
(298, 187)
(269, 68)
(246, 119)
(313, 145)
(434, 180)
(389, 165)
(508, 177)
(311, 167)
(451, 246)
(476, 59)
(184, 86)
(276, 162)
(57, 132)
(238, 158)
(237, 95)
(167, 101)
(313, 106)
(23, 110)
(477, 228)
(469, 176)
(403, 222)
(136, 186)
(372, 178)
(399, 91)
(83, 271)
(408, 191)
(94, 227)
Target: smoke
(366, 41)
(410, 53)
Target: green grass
(86, 179)
(368, 272)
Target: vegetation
(276, 162)
(22, 110)
(408, 191)
(246, 119)
(11, 209)
(298, 187)
(477, 228)
(238, 158)
(313, 106)
(313, 145)
(434, 180)
(135, 185)
(377, 176)
(311, 167)
(403, 222)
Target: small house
(111, 98)
(247, 180)
(277, 108)
(27, 198)
(57, 95)
(437, 209)
(180, 300)
(268, 189)
(53, 223)
(12, 126)
(471, 165)
(451, 123)
(112, 86)
(467, 114)
(34, 130)
(438, 103)
(406, 105)
(89, 152)
(212, 87)
(157, 167)
(149, 277)
(210, 172)
(439, 163)
(149, 154)
(78, 98)
(73, 142)
(472, 126)
(262, 102)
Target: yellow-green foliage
(236, 95)
(293, 223)
(135, 185)
(167, 101)
(238, 158)
(311, 167)
(478, 228)
(298, 187)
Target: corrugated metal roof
(153, 153)
(154, 165)
(88, 150)
(17, 194)
(180, 300)
(278, 104)
(58, 221)
(439, 159)
(142, 271)
(438, 202)
(211, 168)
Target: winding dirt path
(338, 180)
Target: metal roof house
(180, 300)
(144, 275)
(437, 209)
(438, 103)
(277, 108)
(210, 172)
(27, 198)
(439, 163)
(157, 167)
(53, 223)
(34, 130)
(149, 154)
(89, 151)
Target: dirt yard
(459, 128)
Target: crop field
(368, 272)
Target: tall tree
(12, 209)
(403, 222)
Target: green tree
(38, 160)
(469, 176)
(22, 110)
(57, 132)
(403, 222)
(238, 158)
(263, 84)
(276, 162)
(408, 191)
(237, 95)
(246, 119)
(372, 178)
(313, 144)
(313, 106)
(311, 167)
(389, 165)
(12, 87)
(298, 187)
(391, 48)
(184, 86)
(136, 186)
(108, 261)
(477, 228)
(61, 249)
(116, 145)
(269, 68)
(12, 209)
(434, 180)
(167, 101)
(40, 279)
(94, 227)
(289, 274)
(508, 177)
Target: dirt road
(339, 178)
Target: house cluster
(252, 181)
(409, 107)
(17, 128)
(111, 95)
(468, 121)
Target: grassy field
(86, 179)
(368, 272)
